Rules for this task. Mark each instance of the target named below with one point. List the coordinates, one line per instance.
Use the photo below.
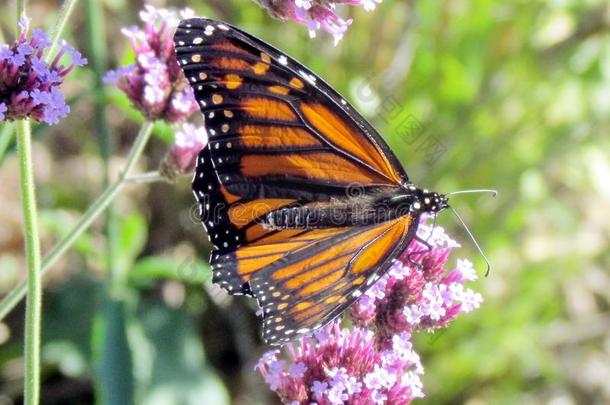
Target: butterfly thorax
(364, 209)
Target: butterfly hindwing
(311, 286)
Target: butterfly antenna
(473, 240)
(480, 190)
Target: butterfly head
(431, 202)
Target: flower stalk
(6, 137)
(14, 297)
(64, 14)
(148, 177)
(32, 248)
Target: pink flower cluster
(29, 86)
(342, 366)
(182, 156)
(316, 14)
(157, 87)
(418, 292)
(155, 83)
(375, 363)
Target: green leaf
(170, 360)
(115, 382)
(190, 270)
(132, 236)
(68, 314)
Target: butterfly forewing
(280, 137)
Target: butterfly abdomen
(359, 211)
(309, 217)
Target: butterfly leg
(427, 249)
(423, 242)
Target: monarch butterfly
(304, 202)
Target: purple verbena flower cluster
(418, 292)
(375, 363)
(182, 156)
(316, 14)
(29, 86)
(155, 83)
(342, 366)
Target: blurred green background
(512, 95)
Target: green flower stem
(137, 149)
(148, 177)
(34, 280)
(64, 14)
(98, 62)
(14, 297)
(6, 136)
